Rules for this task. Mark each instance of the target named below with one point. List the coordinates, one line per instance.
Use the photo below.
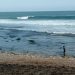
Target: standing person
(64, 51)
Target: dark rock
(31, 41)
(18, 39)
(6, 41)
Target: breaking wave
(38, 22)
(53, 17)
(45, 17)
(50, 26)
(25, 17)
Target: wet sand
(19, 64)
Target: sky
(37, 5)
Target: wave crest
(24, 17)
(46, 17)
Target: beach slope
(18, 64)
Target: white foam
(51, 22)
(50, 26)
(63, 33)
(24, 17)
(38, 22)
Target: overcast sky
(37, 5)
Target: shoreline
(18, 64)
(13, 58)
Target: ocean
(42, 32)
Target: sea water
(44, 32)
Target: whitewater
(50, 26)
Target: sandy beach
(19, 64)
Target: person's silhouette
(64, 51)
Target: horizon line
(42, 11)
